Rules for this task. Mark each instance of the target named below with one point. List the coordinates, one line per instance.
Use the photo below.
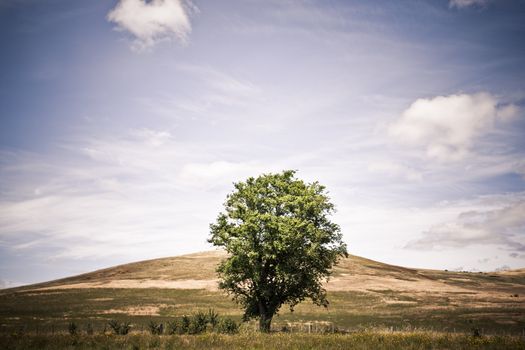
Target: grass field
(372, 303)
(52, 310)
(361, 340)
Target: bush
(174, 327)
(185, 324)
(213, 318)
(119, 328)
(227, 326)
(89, 329)
(115, 326)
(124, 328)
(476, 332)
(72, 328)
(156, 328)
(198, 323)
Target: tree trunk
(265, 322)
(265, 318)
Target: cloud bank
(504, 227)
(152, 21)
(447, 126)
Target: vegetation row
(197, 323)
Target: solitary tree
(280, 242)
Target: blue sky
(124, 124)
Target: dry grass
(356, 341)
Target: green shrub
(227, 326)
(212, 317)
(115, 326)
(476, 332)
(72, 328)
(174, 327)
(119, 328)
(156, 328)
(198, 323)
(185, 324)
(124, 328)
(89, 329)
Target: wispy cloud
(467, 3)
(128, 192)
(210, 94)
(218, 88)
(153, 21)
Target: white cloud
(467, 3)
(152, 21)
(447, 126)
(503, 226)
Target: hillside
(362, 292)
(192, 271)
(197, 271)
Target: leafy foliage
(89, 329)
(119, 328)
(185, 324)
(227, 326)
(280, 241)
(212, 317)
(156, 328)
(198, 323)
(72, 328)
(173, 327)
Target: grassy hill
(364, 294)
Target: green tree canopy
(280, 242)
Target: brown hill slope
(197, 271)
(362, 293)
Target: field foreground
(361, 340)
